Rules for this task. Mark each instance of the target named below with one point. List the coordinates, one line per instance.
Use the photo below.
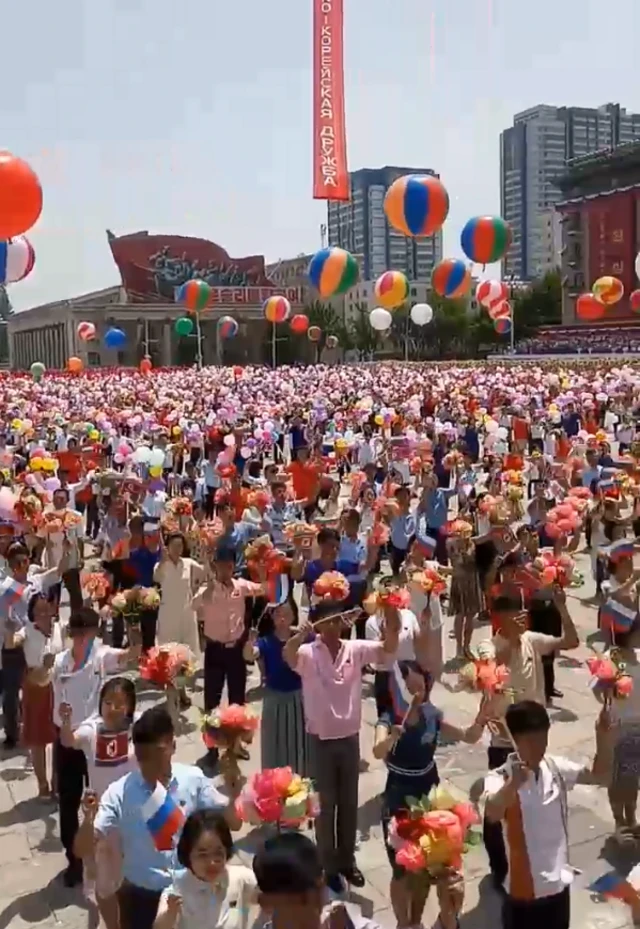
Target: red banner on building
(330, 174)
(611, 245)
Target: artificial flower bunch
(277, 795)
(396, 597)
(434, 833)
(259, 499)
(167, 665)
(331, 586)
(259, 549)
(210, 531)
(562, 520)
(28, 508)
(300, 533)
(513, 477)
(226, 471)
(130, 603)
(387, 507)
(557, 569)
(610, 679)
(459, 527)
(484, 673)
(179, 506)
(262, 553)
(96, 584)
(429, 580)
(51, 523)
(379, 534)
(225, 726)
(452, 460)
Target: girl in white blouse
(208, 891)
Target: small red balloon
(588, 308)
(634, 300)
(237, 370)
(146, 365)
(299, 324)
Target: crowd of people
(323, 523)
(605, 340)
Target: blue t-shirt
(143, 561)
(277, 673)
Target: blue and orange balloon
(276, 309)
(227, 327)
(451, 278)
(502, 325)
(417, 204)
(194, 295)
(392, 289)
(332, 271)
(485, 239)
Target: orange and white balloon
(608, 290)
(500, 310)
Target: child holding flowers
(406, 738)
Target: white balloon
(638, 265)
(142, 454)
(229, 440)
(502, 433)
(156, 458)
(421, 314)
(380, 319)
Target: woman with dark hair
(208, 891)
(106, 742)
(41, 640)
(179, 577)
(406, 738)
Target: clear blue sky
(195, 118)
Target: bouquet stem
(173, 705)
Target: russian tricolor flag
(427, 545)
(278, 589)
(620, 550)
(614, 887)
(616, 616)
(163, 817)
(11, 591)
(400, 696)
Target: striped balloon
(333, 271)
(502, 325)
(17, 259)
(392, 289)
(451, 278)
(194, 295)
(500, 310)
(276, 309)
(608, 290)
(86, 332)
(490, 293)
(227, 327)
(485, 239)
(417, 204)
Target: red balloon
(500, 310)
(237, 370)
(299, 323)
(146, 365)
(314, 334)
(20, 196)
(634, 300)
(587, 307)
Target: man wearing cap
(331, 672)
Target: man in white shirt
(529, 794)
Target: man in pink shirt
(331, 672)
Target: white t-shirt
(36, 644)
(109, 754)
(228, 907)
(409, 629)
(81, 688)
(546, 855)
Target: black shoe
(498, 883)
(335, 883)
(72, 877)
(556, 693)
(353, 876)
(10, 744)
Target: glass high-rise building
(533, 154)
(361, 227)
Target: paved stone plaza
(31, 860)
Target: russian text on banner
(330, 175)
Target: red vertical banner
(611, 244)
(330, 174)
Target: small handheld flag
(426, 545)
(163, 817)
(278, 589)
(616, 617)
(400, 696)
(619, 550)
(11, 591)
(613, 887)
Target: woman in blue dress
(406, 739)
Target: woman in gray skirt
(282, 731)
